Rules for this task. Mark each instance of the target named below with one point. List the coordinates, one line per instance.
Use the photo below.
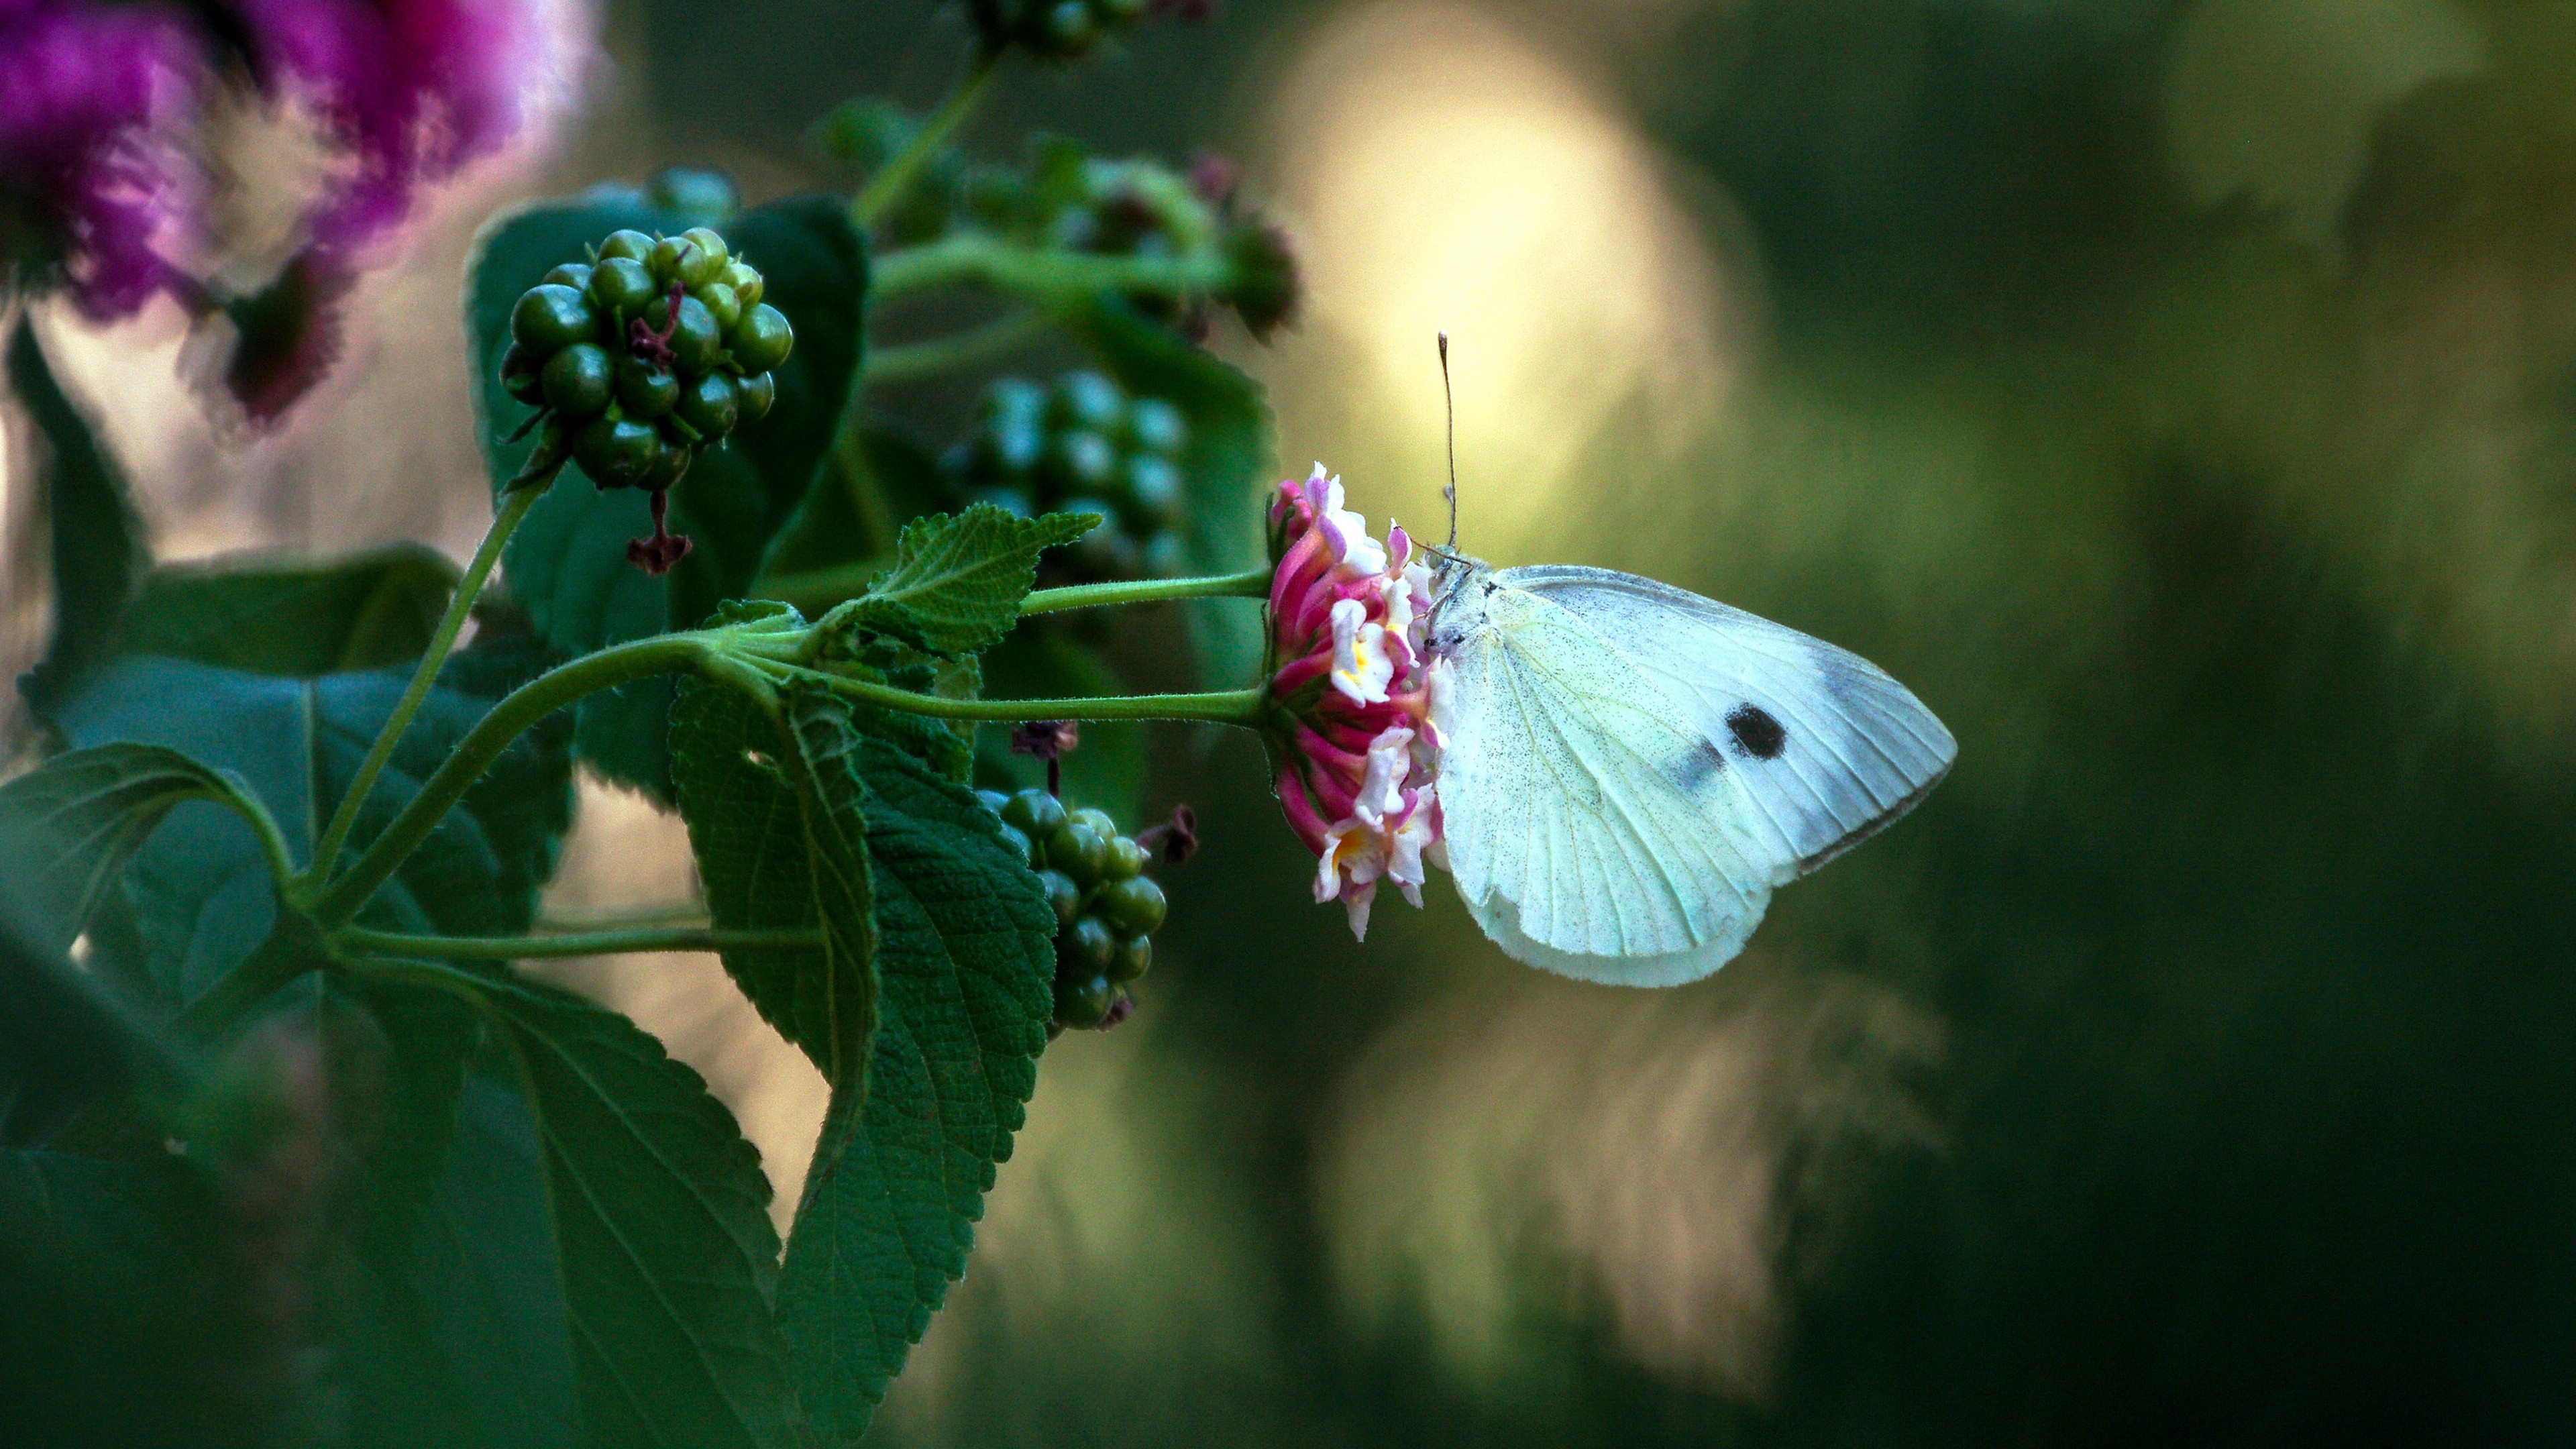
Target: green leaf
(567, 563)
(66, 1039)
(775, 819)
(109, 1337)
(98, 543)
(199, 890)
(964, 965)
(958, 579)
(82, 815)
(1226, 465)
(272, 614)
(661, 1222)
(448, 1321)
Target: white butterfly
(1627, 770)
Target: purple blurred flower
(101, 192)
(91, 188)
(410, 89)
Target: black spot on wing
(1756, 732)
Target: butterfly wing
(1821, 748)
(1587, 831)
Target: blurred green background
(2181, 398)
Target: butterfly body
(1628, 770)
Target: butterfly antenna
(1449, 405)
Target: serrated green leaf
(272, 614)
(567, 562)
(775, 819)
(198, 891)
(447, 1320)
(98, 546)
(660, 1217)
(958, 579)
(1226, 463)
(964, 966)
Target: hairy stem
(593, 943)
(326, 852)
(1240, 707)
(1042, 275)
(623, 918)
(1253, 584)
(887, 187)
(905, 361)
(521, 708)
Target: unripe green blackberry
(1084, 1001)
(723, 302)
(636, 378)
(1132, 907)
(550, 317)
(1105, 908)
(698, 197)
(694, 340)
(761, 340)
(1088, 400)
(1033, 813)
(643, 390)
(1062, 894)
(1085, 948)
(707, 263)
(711, 405)
(1157, 427)
(626, 243)
(1133, 958)
(1082, 462)
(622, 286)
(1081, 445)
(579, 379)
(1125, 859)
(1079, 851)
(616, 452)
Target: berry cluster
(1082, 446)
(645, 356)
(1106, 908)
(1066, 199)
(1054, 29)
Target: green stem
(1253, 584)
(521, 708)
(623, 918)
(891, 181)
(514, 507)
(906, 361)
(1044, 276)
(594, 943)
(1240, 707)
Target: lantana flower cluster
(105, 187)
(1351, 691)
